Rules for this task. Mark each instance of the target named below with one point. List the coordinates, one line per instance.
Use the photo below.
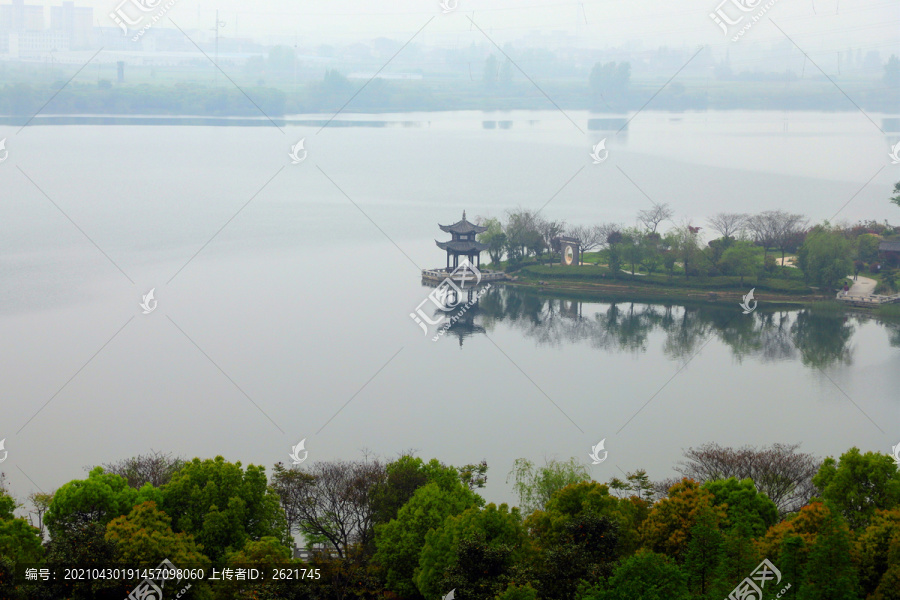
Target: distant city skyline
(819, 26)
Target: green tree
(896, 197)
(877, 549)
(686, 248)
(506, 74)
(8, 504)
(585, 550)
(632, 248)
(145, 536)
(98, 499)
(792, 562)
(637, 483)
(535, 486)
(223, 505)
(744, 504)
(514, 592)
(570, 506)
(867, 247)
(645, 576)
(491, 71)
(264, 554)
(20, 542)
(495, 238)
(743, 259)
(825, 257)
(704, 552)
(81, 543)
(892, 72)
(614, 258)
(399, 542)
(859, 485)
(497, 532)
(282, 59)
(669, 524)
(652, 252)
(609, 83)
(829, 574)
(738, 557)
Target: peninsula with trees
(777, 252)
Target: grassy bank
(664, 283)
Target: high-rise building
(21, 17)
(75, 22)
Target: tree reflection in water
(817, 339)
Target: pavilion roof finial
(464, 215)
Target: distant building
(890, 252)
(19, 17)
(33, 44)
(76, 22)
(25, 22)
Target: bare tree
(155, 468)
(40, 502)
(331, 502)
(727, 224)
(779, 471)
(789, 231)
(588, 235)
(652, 217)
(607, 229)
(764, 230)
(776, 229)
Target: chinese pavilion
(463, 242)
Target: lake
(284, 293)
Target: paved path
(863, 286)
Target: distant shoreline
(374, 119)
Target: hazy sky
(819, 26)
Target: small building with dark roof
(462, 242)
(890, 252)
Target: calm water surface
(293, 321)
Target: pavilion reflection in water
(463, 303)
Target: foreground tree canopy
(413, 530)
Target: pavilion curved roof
(462, 246)
(463, 227)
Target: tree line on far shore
(408, 529)
(753, 246)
